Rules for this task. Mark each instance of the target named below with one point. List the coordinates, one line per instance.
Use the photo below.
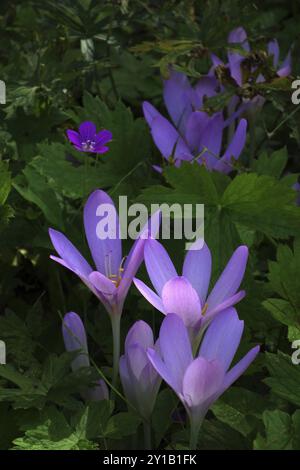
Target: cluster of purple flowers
(194, 135)
(201, 330)
(198, 337)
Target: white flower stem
(115, 324)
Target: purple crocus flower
(88, 140)
(200, 381)
(113, 276)
(194, 135)
(235, 61)
(139, 378)
(186, 295)
(74, 336)
(239, 36)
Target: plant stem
(115, 324)
(147, 434)
(194, 432)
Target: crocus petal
(212, 140)
(201, 381)
(177, 96)
(229, 302)
(240, 368)
(237, 36)
(206, 87)
(69, 254)
(102, 284)
(87, 130)
(168, 140)
(216, 60)
(180, 297)
(230, 279)
(106, 252)
(137, 360)
(140, 333)
(175, 348)
(136, 254)
(97, 393)
(75, 339)
(286, 66)
(195, 127)
(159, 265)
(150, 112)
(74, 137)
(163, 371)
(234, 149)
(126, 379)
(273, 49)
(197, 269)
(131, 266)
(149, 295)
(222, 338)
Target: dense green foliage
(54, 82)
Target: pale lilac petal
(150, 112)
(201, 381)
(97, 393)
(149, 295)
(175, 348)
(102, 284)
(205, 88)
(230, 279)
(240, 368)
(163, 370)
(75, 339)
(212, 140)
(180, 297)
(137, 360)
(106, 252)
(87, 130)
(69, 254)
(159, 265)
(216, 60)
(136, 254)
(126, 380)
(131, 266)
(273, 50)
(286, 66)
(197, 269)
(222, 338)
(140, 333)
(195, 127)
(234, 299)
(237, 36)
(177, 97)
(234, 149)
(168, 140)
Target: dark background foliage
(53, 83)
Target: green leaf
(285, 377)
(283, 311)
(282, 431)
(272, 165)
(122, 424)
(36, 191)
